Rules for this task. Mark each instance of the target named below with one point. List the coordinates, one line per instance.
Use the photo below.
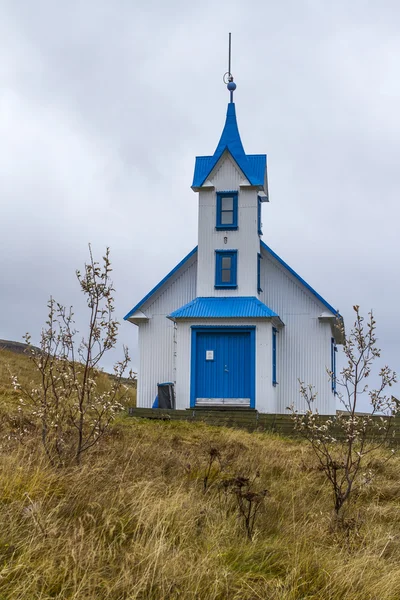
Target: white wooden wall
(156, 337)
(304, 343)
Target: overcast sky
(104, 106)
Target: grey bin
(166, 395)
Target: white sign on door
(209, 354)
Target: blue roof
(253, 165)
(282, 262)
(266, 249)
(236, 306)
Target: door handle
(226, 369)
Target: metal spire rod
(228, 77)
(229, 60)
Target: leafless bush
(342, 443)
(71, 406)
(248, 499)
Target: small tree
(72, 404)
(342, 442)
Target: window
(225, 268)
(259, 225)
(227, 210)
(259, 259)
(333, 364)
(274, 333)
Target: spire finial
(228, 77)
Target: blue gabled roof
(282, 262)
(225, 307)
(253, 166)
(155, 288)
(264, 247)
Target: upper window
(227, 210)
(226, 268)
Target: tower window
(259, 224)
(227, 210)
(226, 268)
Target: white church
(233, 325)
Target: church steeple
(252, 166)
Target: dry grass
(133, 523)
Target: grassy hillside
(14, 363)
(134, 522)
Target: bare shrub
(342, 443)
(248, 499)
(70, 403)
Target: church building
(233, 325)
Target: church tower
(232, 186)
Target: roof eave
(335, 313)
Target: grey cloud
(103, 107)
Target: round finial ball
(231, 86)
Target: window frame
(219, 255)
(333, 365)
(259, 259)
(219, 225)
(259, 224)
(274, 335)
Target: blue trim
(259, 259)
(219, 224)
(274, 332)
(333, 364)
(259, 216)
(157, 287)
(196, 329)
(219, 255)
(252, 166)
(300, 279)
(193, 370)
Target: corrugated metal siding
(303, 345)
(224, 308)
(227, 177)
(265, 391)
(156, 337)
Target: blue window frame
(259, 259)
(259, 225)
(227, 210)
(333, 364)
(226, 268)
(274, 334)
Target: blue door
(224, 373)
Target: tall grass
(134, 522)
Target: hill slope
(14, 361)
(137, 521)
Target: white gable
(226, 174)
(175, 292)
